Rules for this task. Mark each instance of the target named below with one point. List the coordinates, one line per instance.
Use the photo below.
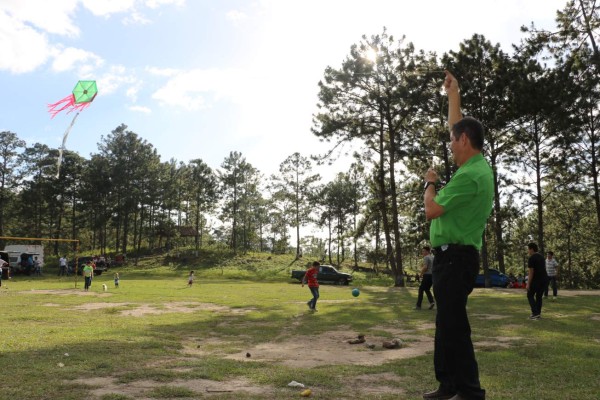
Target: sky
(202, 78)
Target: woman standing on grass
(313, 284)
(191, 278)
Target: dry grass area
(208, 388)
(288, 350)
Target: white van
(15, 250)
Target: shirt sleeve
(458, 192)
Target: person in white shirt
(552, 271)
(62, 262)
(3, 264)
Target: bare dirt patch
(138, 310)
(137, 389)
(333, 349)
(67, 292)
(182, 307)
(327, 348)
(377, 383)
(489, 316)
(504, 342)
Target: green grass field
(155, 338)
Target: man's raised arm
(451, 87)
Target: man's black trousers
(454, 272)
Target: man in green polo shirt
(458, 215)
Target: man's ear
(464, 140)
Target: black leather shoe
(438, 395)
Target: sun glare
(371, 55)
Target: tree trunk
(539, 194)
(485, 261)
(125, 231)
(594, 170)
(197, 226)
(498, 220)
(390, 260)
(397, 267)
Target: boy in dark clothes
(537, 280)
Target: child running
(313, 284)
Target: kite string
(62, 147)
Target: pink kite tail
(81, 106)
(61, 105)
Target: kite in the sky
(82, 96)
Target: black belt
(452, 247)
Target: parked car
(327, 273)
(497, 279)
(101, 265)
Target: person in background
(3, 265)
(427, 280)
(310, 277)
(62, 266)
(191, 278)
(116, 279)
(88, 274)
(552, 272)
(537, 280)
(38, 266)
(30, 265)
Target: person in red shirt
(313, 284)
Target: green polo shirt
(467, 201)
(87, 270)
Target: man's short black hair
(472, 128)
(533, 246)
(426, 248)
(316, 264)
(551, 253)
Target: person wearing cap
(458, 215)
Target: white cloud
(24, 25)
(49, 16)
(108, 7)
(141, 109)
(158, 3)
(235, 16)
(163, 71)
(116, 77)
(22, 48)
(67, 59)
(136, 18)
(132, 93)
(189, 90)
